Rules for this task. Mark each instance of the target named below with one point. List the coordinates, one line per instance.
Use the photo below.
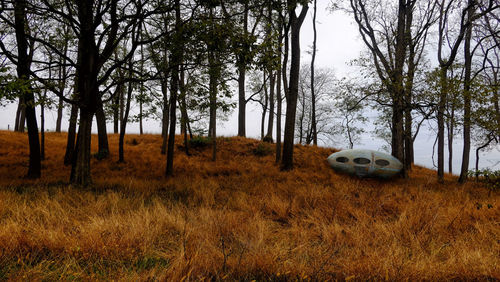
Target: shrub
(200, 142)
(490, 177)
(263, 149)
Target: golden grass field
(237, 219)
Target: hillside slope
(237, 218)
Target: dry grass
(239, 218)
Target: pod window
(342, 159)
(361, 161)
(382, 162)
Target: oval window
(342, 159)
(382, 162)
(361, 161)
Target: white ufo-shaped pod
(365, 163)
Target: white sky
(338, 43)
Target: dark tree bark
(286, 29)
(270, 121)
(467, 95)
(184, 112)
(242, 101)
(291, 106)
(23, 73)
(87, 88)
(116, 109)
(313, 94)
(173, 104)
(70, 144)
(18, 114)
(278, 110)
(242, 68)
(42, 126)
(176, 59)
(123, 124)
(117, 101)
(103, 147)
(164, 123)
(213, 78)
(264, 107)
(60, 107)
(62, 86)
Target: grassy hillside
(238, 218)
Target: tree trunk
(60, 108)
(23, 73)
(42, 126)
(440, 119)
(183, 107)
(451, 133)
(313, 94)
(270, 121)
(103, 151)
(264, 109)
(173, 104)
(70, 144)
(80, 171)
(242, 68)
(22, 115)
(18, 115)
(242, 102)
(467, 97)
(213, 107)
(62, 86)
(87, 70)
(164, 124)
(281, 75)
(291, 107)
(116, 105)
(123, 124)
(176, 60)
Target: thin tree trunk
(242, 102)
(270, 123)
(440, 119)
(183, 107)
(123, 124)
(70, 144)
(313, 94)
(164, 127)
(282, 73)
(23, 73)
(42, 126)
(60, 107)
(467, 97)
(173, 104)
(264, 108)
(18, 115)
(291, 107)
(451, 136)
(116, 111)
(213, 107)
(174, 88)
(62, 86)
(103, 151)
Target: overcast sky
(338, 43)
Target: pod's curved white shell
(365, 163)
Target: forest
(186, 63)
(114, 205)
